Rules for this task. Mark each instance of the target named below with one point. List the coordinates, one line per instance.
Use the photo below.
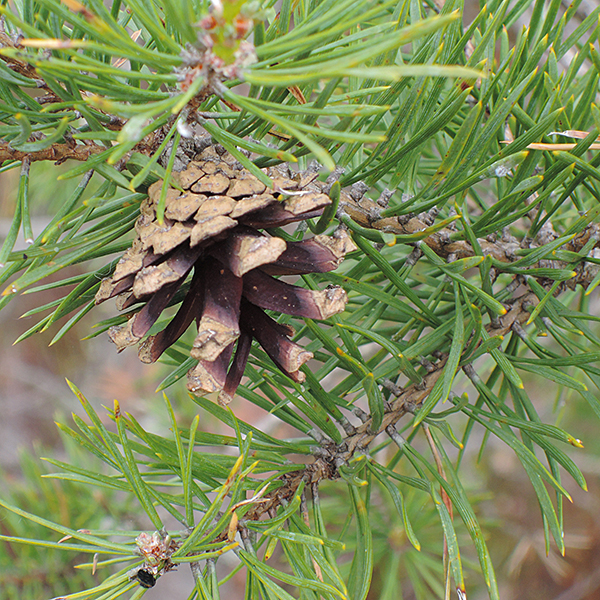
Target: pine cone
(212, 228)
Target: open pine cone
(213, 228)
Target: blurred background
(33, 395)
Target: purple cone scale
(212, 243)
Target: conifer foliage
(353, 215)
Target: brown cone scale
(210, 244)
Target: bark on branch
(56, 152)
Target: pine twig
(58, 153)
(410, 398)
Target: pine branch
(22, 67)
(58, 153)
(367, 213)
(409, 399)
